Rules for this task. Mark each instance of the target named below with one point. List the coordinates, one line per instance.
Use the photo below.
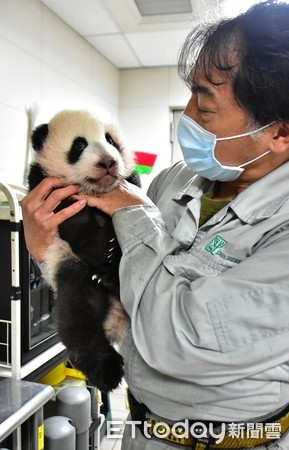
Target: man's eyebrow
(200, 89)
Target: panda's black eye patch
(75, 152)
(111, 141)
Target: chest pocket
(210, 254)
(196, 263)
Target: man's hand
(40, 222)
(125, 194)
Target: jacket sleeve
(214, 329)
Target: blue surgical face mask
(198, 145)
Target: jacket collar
(256, 203)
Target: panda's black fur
(88, 149)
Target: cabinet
(23, 356)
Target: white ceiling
(127, 39)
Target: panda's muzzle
(106, 173)
(106, 164)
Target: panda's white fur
(67, 125)
(102, 164)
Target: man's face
(213, 106)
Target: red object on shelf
(145, 159)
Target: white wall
(44, 62)
(147, 97)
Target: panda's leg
(56, 253)
(81, 325)
(116, 321)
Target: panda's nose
(106, 164)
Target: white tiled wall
(147, 97)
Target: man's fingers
(70, 211)
(49, 186)
(41, 202)
(44, 188)
(40, 221)
(56, 196)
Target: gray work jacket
(209, 306)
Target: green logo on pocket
(214, 246)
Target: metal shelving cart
(12, 367)
(13, 371)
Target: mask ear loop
(248, 133)
(255, 159)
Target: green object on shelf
(144, 162)
(140, 169)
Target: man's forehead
(218, 67)
(214, 78)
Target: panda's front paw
(108, 280)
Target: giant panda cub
(86, 148)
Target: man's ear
(280, 139)
(39, 136)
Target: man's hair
(260, 79)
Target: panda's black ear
(39, 136)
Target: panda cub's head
(81, 147)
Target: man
(204, 273)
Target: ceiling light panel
(86, 17)
(165, 52)
(163, 7)
(116, 49)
